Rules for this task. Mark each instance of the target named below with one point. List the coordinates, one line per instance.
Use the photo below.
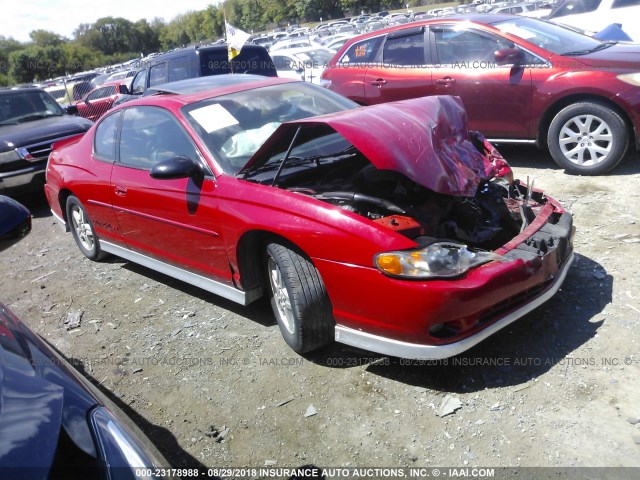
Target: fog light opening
(436, 329)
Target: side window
(404, 49)
(137, 86)
(284, 63)
(158, 74)
(104, 143)
(150, 135)
(365, 51)
(454, 46)
(178, 68)
(576, 6)
(95, 94)
(102, 92)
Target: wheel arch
(63, 196)
(250, 251)
(554, 109)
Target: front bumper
(25, 180)
(397, 348)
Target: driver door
(175, 221)
(497, 98)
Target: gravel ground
(213, 384)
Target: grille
(39, 152)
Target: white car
(291, 43)
(334, 42)
(305, 63)
(594, 16)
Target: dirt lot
(213, 384)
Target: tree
(7, 45)
(36, 63)
(44, 38)
(147, 36)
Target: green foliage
(114, 40)
(36, 63)
(44, 38)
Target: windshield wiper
(597, 48)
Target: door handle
(446, 81)
(121, 191)
(379, 82)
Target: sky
(19, 17)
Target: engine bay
(487, 221)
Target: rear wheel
(588, 138)
(82, 230)
(299, 299)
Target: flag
(236, 39)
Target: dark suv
(198, 62)
(30, 122)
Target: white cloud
(20, 17)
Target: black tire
(588, 138)
(298, 299)
(82, 230)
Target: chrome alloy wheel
(82, 227)
(586, 140)
(281, 296)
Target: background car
(100, 99)
(194, 62)
(257, 186)
(54, 423)
(521, 80)
(594, 16)
(304, 63)
(15, 221)
(298, 42)
(30, 122)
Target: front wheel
(82, 230)
(588, 138)
(299, 299)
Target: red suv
(521, 80)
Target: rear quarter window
(104, 143)
(364, 51)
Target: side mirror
(176, 167)
(123, 89)
(71, 110)
(508, 56)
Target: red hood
(425, 139)
(620, 56)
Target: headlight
(630, 78)
(438, 260)
(8, 157)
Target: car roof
(294, 51)
(13, 91)
(184, 92)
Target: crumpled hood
(425, 139)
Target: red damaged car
(391, 227)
